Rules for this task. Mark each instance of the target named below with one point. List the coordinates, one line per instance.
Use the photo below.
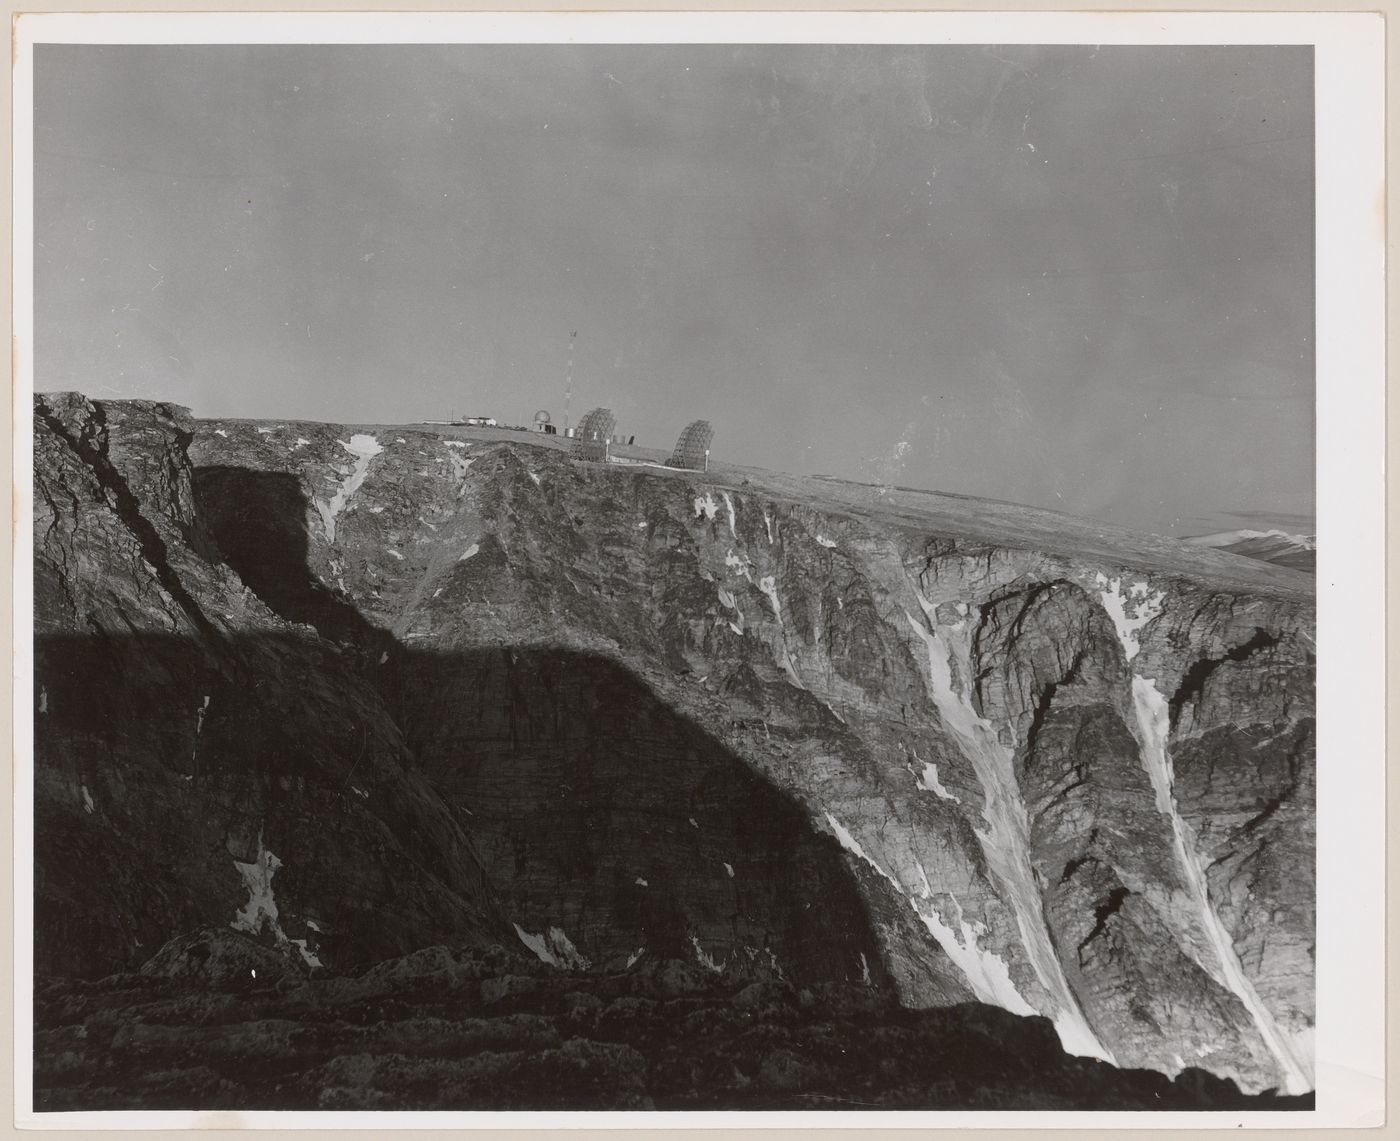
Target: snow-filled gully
(1005, 842)
(364, 448)
(985, 971)
(1153, 725)
(1132, 610)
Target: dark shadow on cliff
(257, 520)
(442, 799)
(558, 778)
(143, 805)
(594, 806)
(602, 810)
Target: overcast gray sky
(1076, 277)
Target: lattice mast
(569, 381)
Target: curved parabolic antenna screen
(693, 446)
(594, 432)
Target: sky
(1075, 277)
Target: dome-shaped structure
(693, 447)
(595, 434)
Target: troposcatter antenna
(693, 447)
(595, 434)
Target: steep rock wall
(197, 759)
(961, 716)
(1063, 782)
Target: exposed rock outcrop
(447, 1029)
(473, 689)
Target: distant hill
(1277, 547)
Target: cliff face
(466, 687)
(198, 758)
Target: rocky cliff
(363, 690)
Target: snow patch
(309, 957)
(554, 948)
(730, 869)
(729, 504)
(395, 554)
(1304, 1047)
(220, 432)
(199, 723)
(768, 525)
(641, 882)
(1153, 717)
(364, 448)
(692, 822)
(533, 476)
(985, 971)
(705, 505)
(739, 564)
(43, 699)
(264, 431)
(460, 467)
(634, 956)
(455, 443)
(358, 791)
(825, 542)
(300, 443)
(261, 908)
(469, 552)
(864, 970)
(1130, 612)
(929, 782)
(769, 586)
(87, 801)
(704, 959)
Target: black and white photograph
(676, 575)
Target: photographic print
(673, 576)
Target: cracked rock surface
(349, 693)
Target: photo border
(1350, 363)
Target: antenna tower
(569, 381)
